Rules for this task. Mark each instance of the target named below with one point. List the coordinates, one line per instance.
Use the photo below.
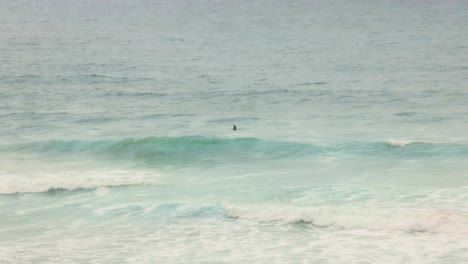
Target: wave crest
(400, 143)
(170, 148)
(198, 148)
(53, 183)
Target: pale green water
(116, 143)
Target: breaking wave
(64, 181)
(410, 220)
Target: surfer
(234, 127)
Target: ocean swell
(168, 149)
(198, 148)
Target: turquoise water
(116, 140)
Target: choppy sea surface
(116, 143)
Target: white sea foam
(202, 240)
(72, 180)
(399, 142)
(396, 219)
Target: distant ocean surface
(116, 140)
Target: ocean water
(116, 140)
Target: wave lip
(400, 143)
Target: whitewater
(116, 140)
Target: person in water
(234, 127)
